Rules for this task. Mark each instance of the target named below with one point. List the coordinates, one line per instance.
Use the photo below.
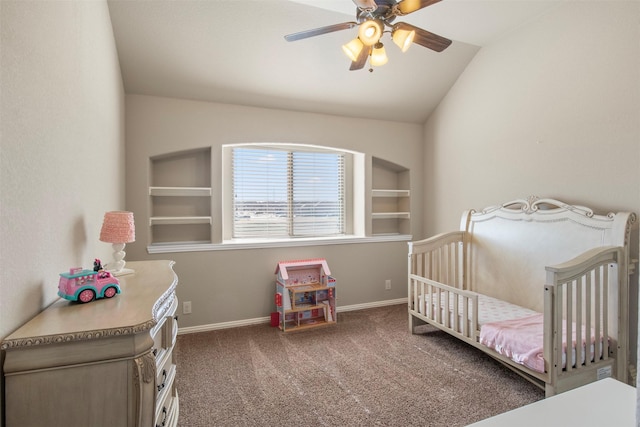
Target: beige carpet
(366, 370)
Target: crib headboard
(509, 246)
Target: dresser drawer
(165, 373)
(166, 402)
(165, 331)
(167, 416)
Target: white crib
(541, 276)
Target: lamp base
(117, 267)
(122, 272)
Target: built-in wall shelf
(390, 198)
(180, 197)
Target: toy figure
(86, 285)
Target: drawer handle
(155, 352)
(164, 417)
(164, 379)
(175, 317)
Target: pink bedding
(521, 340)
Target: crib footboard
(448, 308)
(436, 286)
(582, 307)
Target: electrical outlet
(387, 284)
(186, 307)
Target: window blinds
(287, 193)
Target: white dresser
(109, 362)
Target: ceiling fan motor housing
(384, 13)
(372, 16)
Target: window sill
(236, 245)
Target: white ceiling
(233, 51)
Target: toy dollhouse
(305, 294)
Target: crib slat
(423, 300)
(429, 311)
(444, 266)
(446, 310)
(451, 275)
(569, 326)
(557, 332)
(438, 264)
(455, 265)
(579, 322)
(605, 315)
(597, 348)
(588, 309)
(456, 320)
(474, 317)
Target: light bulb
(370, 32)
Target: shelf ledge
(180, 191)
(179, 220)
(390, 193)
(160, 248)
(388, 215)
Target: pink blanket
(521, 340)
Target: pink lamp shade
(118, 228)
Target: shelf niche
(180, 197)
(390, 198)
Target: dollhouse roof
(283, 265)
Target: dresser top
(143, 295)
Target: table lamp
(118, 229)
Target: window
(264, 195)
(287, 192)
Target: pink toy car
(87, 285)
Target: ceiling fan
(372, 17)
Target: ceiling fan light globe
(370, 32)
(378, 56)
(403, 38)
(353, 49)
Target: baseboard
(262, 320)
(375, 304)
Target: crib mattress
(489, 309)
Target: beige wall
(62, 147)
(552, 110)
(234, 285)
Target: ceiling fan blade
(405, 7)
(362, 59)
(425, 38)
(369, 5)
(319, 31)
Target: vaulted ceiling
(233, 51)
